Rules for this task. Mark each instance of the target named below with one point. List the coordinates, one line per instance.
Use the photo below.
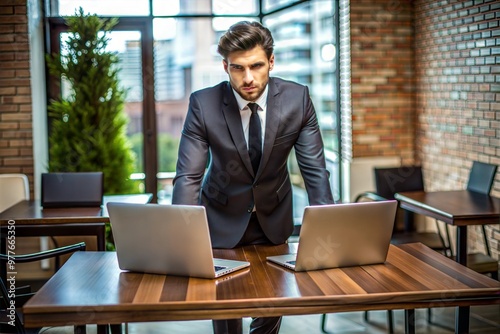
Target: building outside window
(167, 49)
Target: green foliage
(88, 127)
(167, 151)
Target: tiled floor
(484, 319)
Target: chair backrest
(389, 181)
(7, 295)
(13, 189)
(81, 189)
(481, 177)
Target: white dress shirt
(245, 112)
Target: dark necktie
(255, 137)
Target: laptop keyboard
(217, 268)
(291, 262)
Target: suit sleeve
(311, 158)
(192, 157)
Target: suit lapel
(273, 116)
(231, 113)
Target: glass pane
(235, 7)
(184, 62)
(101, 7)
(206, 7)
(271, 5)
(305, 52)
(127, 45)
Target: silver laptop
(166, 239)
(342, 235)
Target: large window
(167, 49)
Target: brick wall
(383, 90)
(16, 144)
(457, 51)
(426, 87)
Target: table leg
(116, 328)
(101, 239)
(462, 313)
(102, 329)
(461, 250)
(410, 321)
(462, 319)
(409, 218)
(80, 329)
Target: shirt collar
(261, 101)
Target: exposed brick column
(383, 94)
(16, 143)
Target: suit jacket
(227, 186)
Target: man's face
(249, 72)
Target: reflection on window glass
(183, 63)
(221, 24)
(101, 7)
(183, 7)
(167, 7)
(164, 29)
(271, 5)
(127, 46)
(234, 7)
(304, 52)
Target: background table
(91, 289)
(460, 208)
(31, 220)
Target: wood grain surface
(91, 289)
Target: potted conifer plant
(88, 124)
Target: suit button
(249, 210)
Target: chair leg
(446, 248)
(448, 237)
(116, 329)
(410, 321)
(323, 323)
(390, 321)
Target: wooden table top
(91, 289)
(31, 212)
(458, 207)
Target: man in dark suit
(238, 169)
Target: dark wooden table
(31, 220)
(91, 289)
(460, 208)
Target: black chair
(70, 190)
(24, 293)
(481, 179)
(79, 189)
(388, 182)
